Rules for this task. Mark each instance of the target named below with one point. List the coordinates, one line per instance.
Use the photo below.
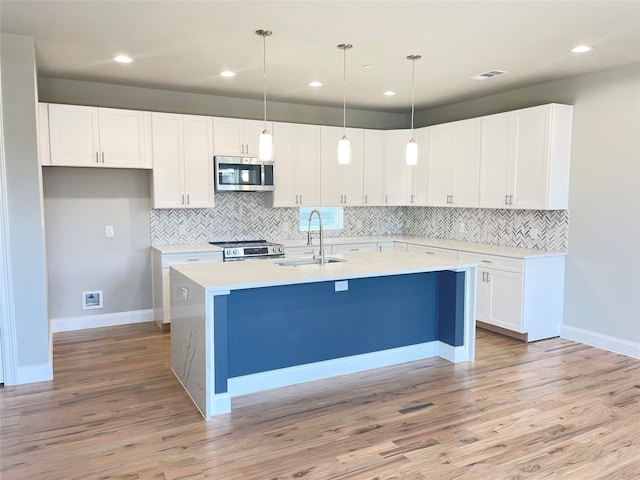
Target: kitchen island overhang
(244, 327)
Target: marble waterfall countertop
(224, 277)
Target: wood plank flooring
(554, 409)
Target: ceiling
(183, 45)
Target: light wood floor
(553, 409)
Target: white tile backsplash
(243, 215)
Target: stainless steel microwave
(243, 174)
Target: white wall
(602, 283)
(26, 263)
(54, 90)
(79, 203)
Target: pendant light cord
(344, 92)
(413, 88)
(264, 73)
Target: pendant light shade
(344, 145)
(411, 154)
(265, 146)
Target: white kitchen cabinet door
(98, 137)
(525, 158)
(308, 165)
(237, 137)
(497, 148)
(373, 168)
(503, 299)
(183, 161)
(122, 138)
(168, 160)
(418, 173)
(341, 185)
(440, 165)
(296, 150)
(466, 163)
(74, 136)
(398, 177)
(198, 161)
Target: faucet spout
(320, 255)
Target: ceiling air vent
(489, 74)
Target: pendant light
(265, 146)
(344, 145)
(411, 157)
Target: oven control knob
(234, 251)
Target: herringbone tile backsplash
(243, 215)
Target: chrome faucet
(320, 256)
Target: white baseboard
(42, 372)
(329, 368)
(101, 320)
(612, 344)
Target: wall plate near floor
(92, 300)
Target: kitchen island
(243, 327)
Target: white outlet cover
(342, 285)
(92, 300)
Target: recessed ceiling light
(582, 49)
(389, 93)
(366, 65)
(123, 59)
(227, 73)
(315, 84)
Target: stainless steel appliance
(244, 174)
(250, 249)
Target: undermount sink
(294, 262)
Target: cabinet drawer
(353, 248)
(507, 264)
(169, 259)
(305, 251)
(440, 252)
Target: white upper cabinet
(374, 168)
(525, 158)
(341, 184)
(236, 137)
(296, 154)
(418, 194)
(454, 164)
(99, 137)
(183, 161)
(397, 175)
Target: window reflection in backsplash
(243, 215)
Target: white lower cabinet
(521, 295)
(160, 263)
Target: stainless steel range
(250, 249)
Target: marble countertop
(471, 247)
(224, 277)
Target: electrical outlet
(182, 229)
(462, 228)
(108, 231)
(342, 285)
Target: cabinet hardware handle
(429, 253)
(412, 198)
(355, 249)
(97, 159)
(510, 199)
(506, 199)
(345, 199)
(300, 198)
(483, 274)
(193, 259)
(103, 158)
(183, 198)
(487, 261)
(386, 199)
(188, 202)
(365, 199)
(451, 199)
(488, 278)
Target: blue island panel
(277, 327)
